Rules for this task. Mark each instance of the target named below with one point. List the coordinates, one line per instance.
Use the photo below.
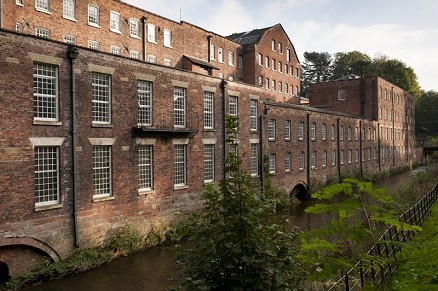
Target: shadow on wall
(4, 272)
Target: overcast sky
(406, 30)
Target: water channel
(151, 269)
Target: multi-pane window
(134, 30)
(363, 155)
(333, 157)
(46, 164)
(313, 160)
(145, 170)
(42, 32)
(19, 2)
(260, 81)
(349, 156)
(101, 171)
(212, 52)
(332, 132)
(301, 131)
(280, 87)
(18, 27)
(267, 82)
(287, 162)
(260, 59)
(167, 38)
(152, 59)
(254, 159)
(115, 21)
(179, 107)
(231, 58)
(115, 50)
(267, 62)
(301, 161)
(69, 39)
(286, 89)
(271, 129)
(356, 133)
(288, 55)
(45, 92)
(94, 45)
(272, 163)
(341, 132)
(93, 15)
(369, 154)
(253, 114)
(280, 48)
(220, 55)
(342, 95)
(179, 165)
(240, 61)
(208, 162)
(313, 131)
(287, 130)
(68, 9)
(324, 132)
(232, 106)
(273, 45)
(280, 67)
(134, 55)
(144, 95)
(324, 158)
(42, 5)
(357, 156)
(273, 65)
(341, 157)
(233, 149)
(208, 110)
(151, 33)
(101, 101)
(274, 86)
(167, 62)
(349, 133)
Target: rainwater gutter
(223, 84)
(143, 36)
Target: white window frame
(301, 161)
(93, 15)
(324, 131)
(313, 160)
(342, 95)
(341, 157)
(101, 98)
(273, 45)
(209, 156)
(208, 110)
(349, 133)
(19, 2)
(115, 50)
(260, 59)
(69, 9)
(134, 55)
(18, 27)
(333, 157)
(301, 130)
(349, 156)
(152, 59)
(46, 175)
(167, 62)
(179, 165)
(324, 158)
(42, 32)
(267, 83)
(70, 39)
(332, 132)
(212, 52)
(102, 174)
(220, 55)
(231, 59)
(115, 22)
(152, 33)
(288, 54)
(240, 62)
(287, 162)
(287, 128)
(233, 106)
(179, 107)
(272, 163)
(313, 131)
(254, 159)
(271, 129)
(253, 114)
(167, 38)
(45, 92)
(341, 132)
(144, 101)
(134, 28)
(145, 168)
(267, 62)
(42, 6)
(94, 45)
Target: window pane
(46, 175)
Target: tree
(235, 242)
(315, 69)
(353, 62)
(426, 112)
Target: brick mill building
(112, 115)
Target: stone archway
(300, 192)
(32, 242)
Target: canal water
(156, 268)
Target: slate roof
(248, 37)
(200, 62)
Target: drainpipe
(338, 145)
(143, 36)
(1, 13)
(362, 96)
(308, 150)
(73, 54)
(378, 145)
(208, 48)
(263, 116)
(223, 84)
(360, 147)
(393, 124)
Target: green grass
(418, 267)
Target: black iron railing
(387, 247)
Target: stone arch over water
(301, 192)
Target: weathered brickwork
(177, 135)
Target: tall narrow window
(301, 161)
(324, 158)
(267, 62)
(94, 45)
(349, 158)
(145, 171)
(240, 61)
(208, 110)
(68, 9)
(115, 50)
(102, 171)
(212, 52)
(179, 107)
(42, 5)
(313, 131)
(273, 45)
(231, 58)
(349, 133)
(167, 38)
(45, 96)
(260, 81)
(232, 106)
(144, 95)
(288, 55)
(151, 33)
(253, 114)
(18, 27)
(287, 162)
(134, 30)
(134, 55)
(101, 98)
(341, 157)
(208, 163)
(272, 162)
(254, 159)
(220, 55)
(313, 160)
(341, 132)
(301, 131)
(179, 165)
(287, 130)
(93, 15)
(46, 165)
(271, 129)
(324, 132)
(260, 60)
(115, 21)
(332, 132)
(333, 157)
